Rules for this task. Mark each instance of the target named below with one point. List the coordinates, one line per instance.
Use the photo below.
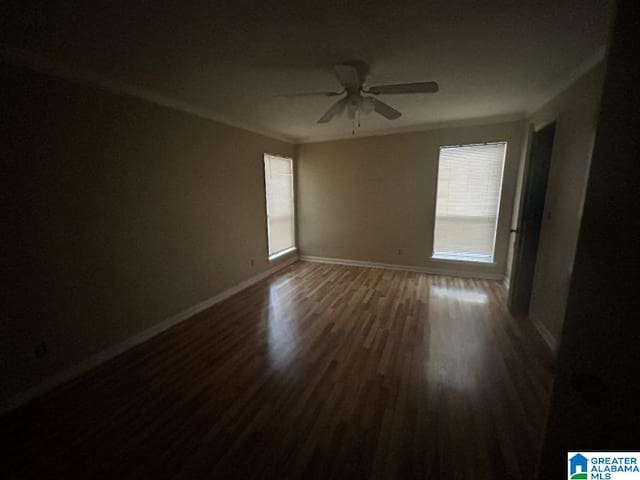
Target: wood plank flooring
(319, 371)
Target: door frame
(523, 203)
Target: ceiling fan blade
(347, 76)
(336, 109)
(420, 87)
(368, 105)
(385, 110)
(310, 94)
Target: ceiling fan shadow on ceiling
(352, 77)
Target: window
(278, 179)
(467, 203)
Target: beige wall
(366, 198)
(117, 214)
(575, 111)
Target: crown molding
(469, 122)
(81, 75)
(565, 81)
(557, 87)
(38, 63)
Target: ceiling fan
(352, 77)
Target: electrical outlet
(252, 262)
(400, 251)
(40, 350)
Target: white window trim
(281, 253)
(464, 262)
(499, 209)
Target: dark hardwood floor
(319, 371)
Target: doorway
(527, 232)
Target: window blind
(278, 173)
(467, 203)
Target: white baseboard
(75, 371)
(408, 268)
(544, 333)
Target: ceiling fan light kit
(352, 77)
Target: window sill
(283, 253)
(463, 261)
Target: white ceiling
(229, 60)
